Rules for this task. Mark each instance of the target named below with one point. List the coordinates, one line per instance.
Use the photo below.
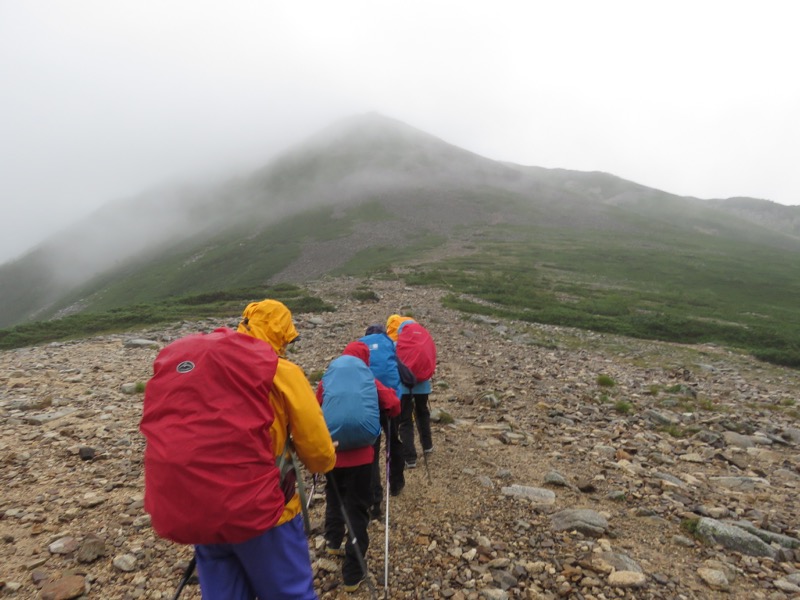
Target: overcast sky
(103, 99)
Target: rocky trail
(567, 464)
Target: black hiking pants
(396, 464)
(347, 490)
(415, 407)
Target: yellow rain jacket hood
(270, 321)
(293, 401)
(393, 324)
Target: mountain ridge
(366, 173)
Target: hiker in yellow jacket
(413, 403)
(276, 562)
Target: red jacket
(387, 400)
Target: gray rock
(49, 417)
(556, 479)
(737, 439)
(768, 536)
(63, 545)
(787, 586)
(791, 434)
(538, 495)
(142, 343)
(660, 418)
(125, 562)
(733, 538)
(91, 549)
(584, 520)
(713, 578)
(739, 484)
(615, 561)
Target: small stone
(64, 588)
(64, 545)
(86, 453)
(125, 562)
(627, 579)
(713, 578)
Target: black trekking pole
(186, 575)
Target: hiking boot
(353, 587)
(332, 550)
(411, 464)
(427, 450)
(395, 489)
(375, 512)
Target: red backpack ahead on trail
(209, 468)
(416, 349)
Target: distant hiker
(416, 351)
(383, 364)
(351, 399)
(218, 412)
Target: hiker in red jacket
(348, 492)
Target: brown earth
(648, 453)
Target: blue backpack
(350, 403)
(383, 359)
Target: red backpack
(209, 468)
(416, 350)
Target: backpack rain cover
(350, 403)
(209, 467)
(416, 350)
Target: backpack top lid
(270, 321)
(394, 323)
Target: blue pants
(272, 566)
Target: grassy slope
(645, 278)
(661, 284)
(581, 249)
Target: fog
(104, 101)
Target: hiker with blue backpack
(221, 414)
(352, 399)
(416, 352)
(383, 364)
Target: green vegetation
(210, 304)
(380, 259)
(685, 288)
(690, 526)
(623, 407)
(677, 431)
(688, 404)
(654, 267)
(445, 418)
(315, 376)
(365, 295)
(140, 387)
(605, 381)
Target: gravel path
(688, 440)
